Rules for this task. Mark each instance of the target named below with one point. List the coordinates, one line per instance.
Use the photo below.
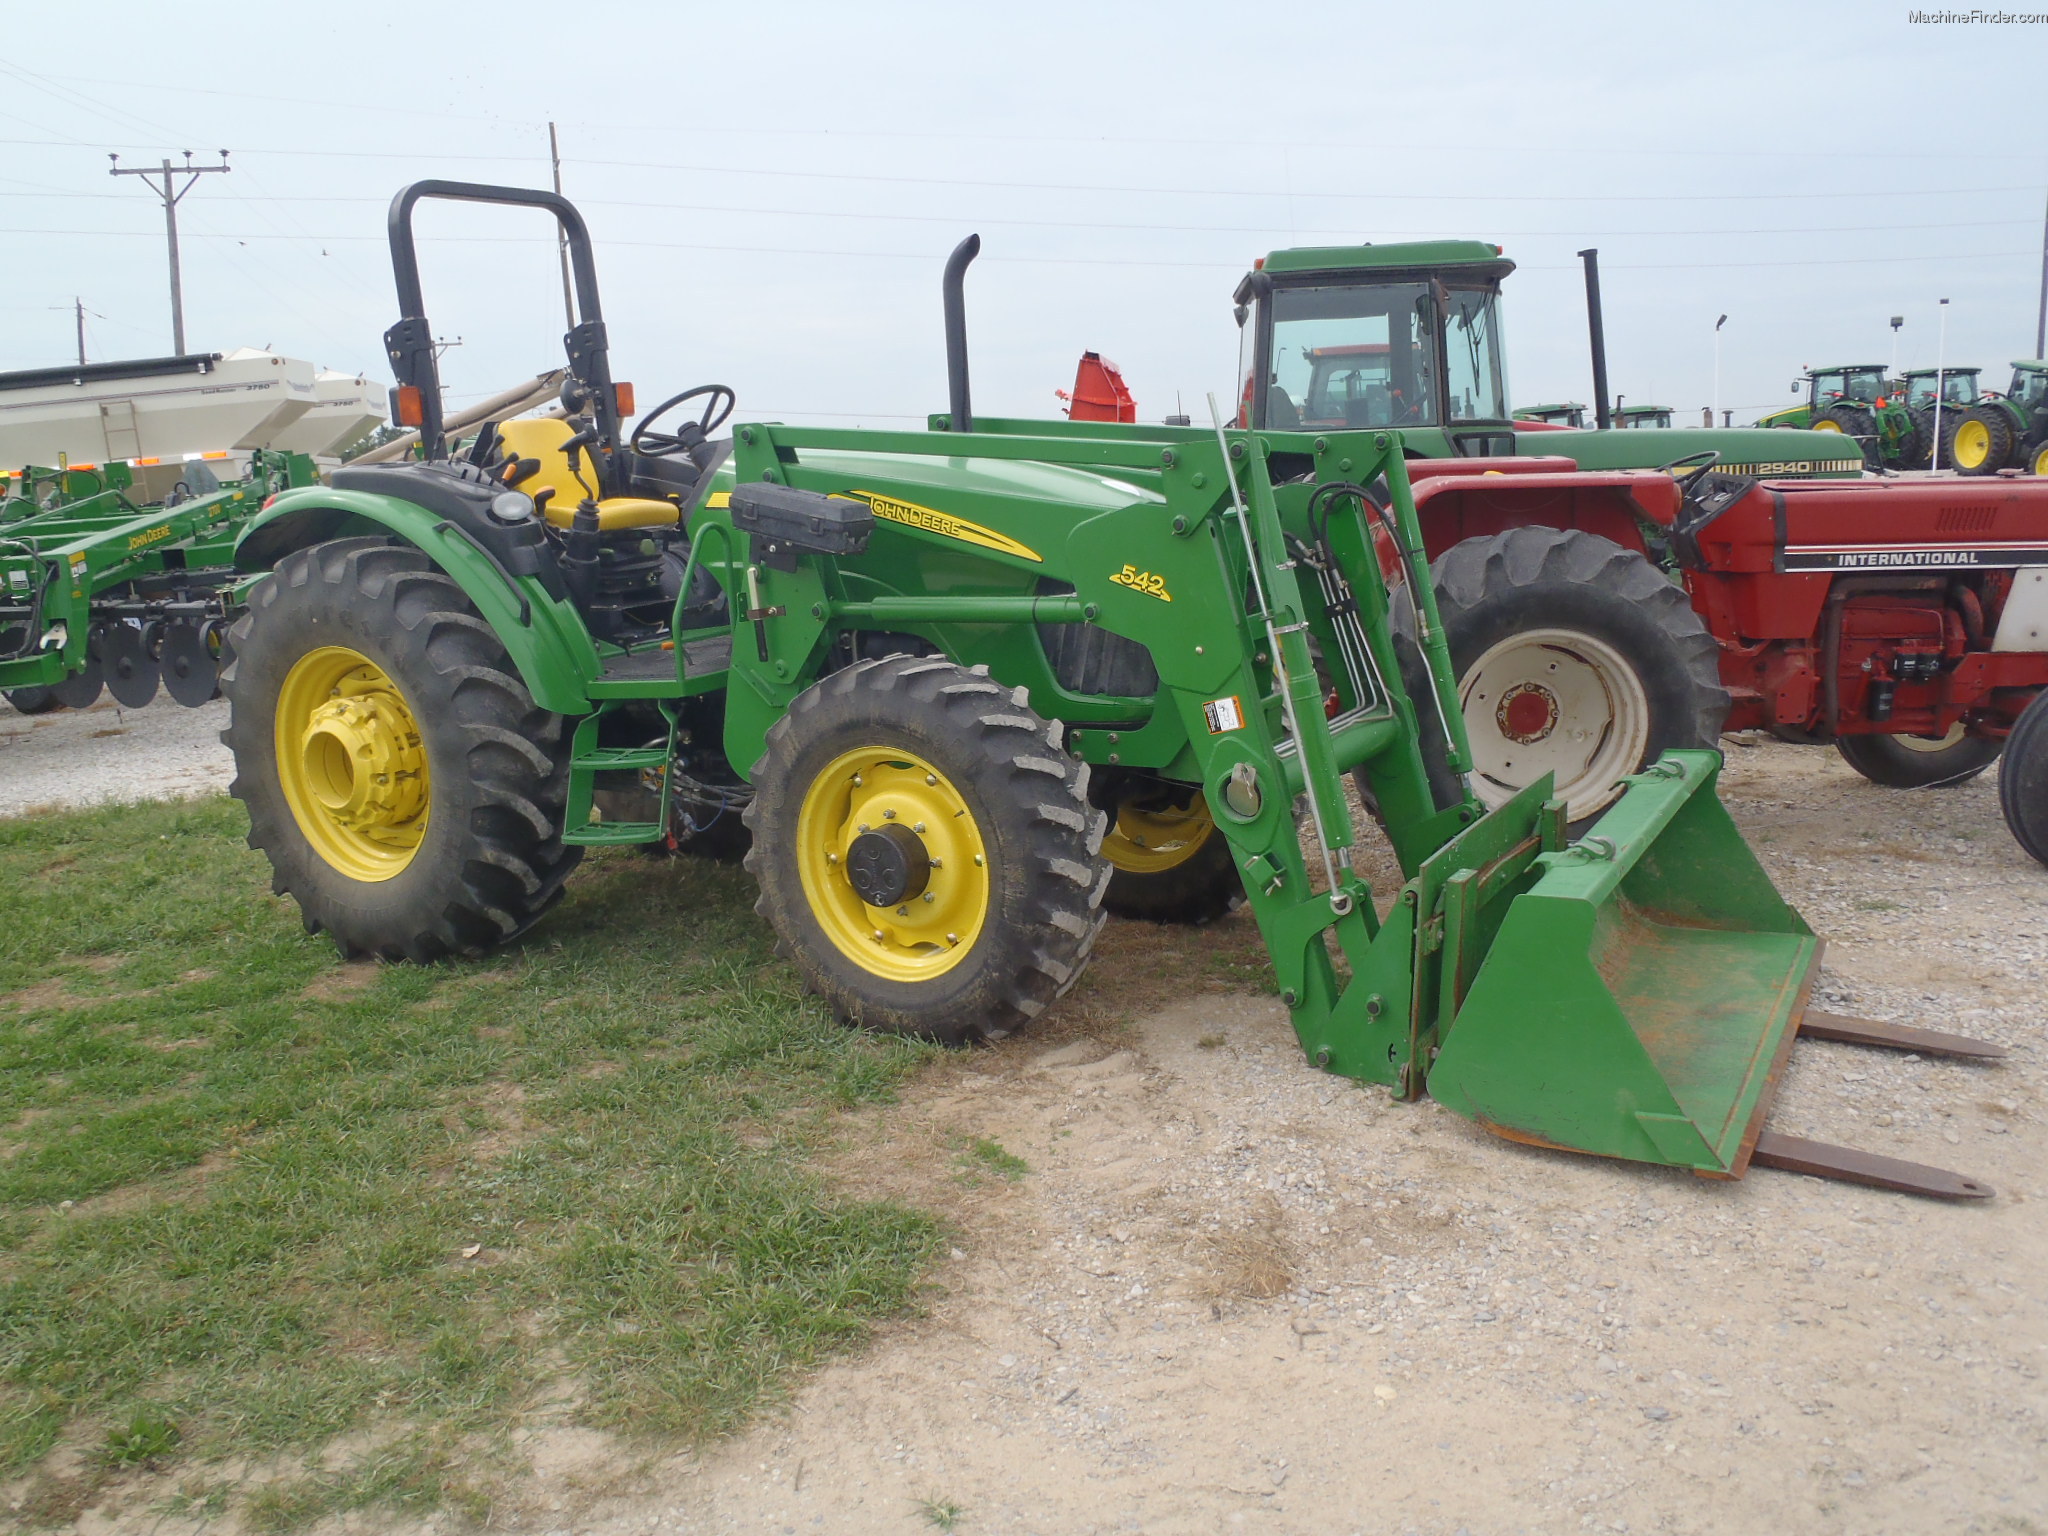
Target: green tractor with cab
(1859, 402)
(1566, 413)
(2002, 431)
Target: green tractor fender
(543, 634)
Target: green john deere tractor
(1931, 393)
(1857, 401)
(2008, 431)
(943, 675)
(1569, 413)
(1422, 322)
(1631, 416)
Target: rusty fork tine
(1900, 1037)
(1795, 1154)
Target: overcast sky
(773, 188)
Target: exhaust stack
(957, 403)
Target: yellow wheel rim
(2040, 463)
(1971, 445)
(1145, 842)
(1827, 425)
(351, 763)
(929, 932)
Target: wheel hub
(352, 763)
(892, 863)
(363, 761)
(1527, 713)
(888, 866)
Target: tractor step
(615, 759)
(613, 834)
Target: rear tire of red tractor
(1918, 762)
(1978, 442)
(1575, 657)
(2023, 779)
(407, 790)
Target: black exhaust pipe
(1603, 413)
(957, 402)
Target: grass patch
(252, 1199)
(984, 1156)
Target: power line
(1065, 261)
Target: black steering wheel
(1706, 459)
(661, 445)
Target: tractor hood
(1744, 450)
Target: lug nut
(930, 896)
(918, 829)
(931, 778)
(888, 815)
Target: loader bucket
(1640, 997)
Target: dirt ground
(1232, 1293)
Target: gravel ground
(87, 756)
(1232, 1293)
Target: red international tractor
(1596, 619)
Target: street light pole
(1897, 321)
(1940, 386)
(1717, 363)
(171, 194)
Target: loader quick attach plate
(1640, 998)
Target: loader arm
(1634, 994)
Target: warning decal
(1224, 715)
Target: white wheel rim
(1559, 702)
(1932, 743)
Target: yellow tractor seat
(539, 439)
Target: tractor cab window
(1352, 357)
(1957, 388)
(1864, 384)
(2029, 387)
(1472, 355)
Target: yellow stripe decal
(944, 524)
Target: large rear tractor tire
(1919, 762)
(2023, 779)
(407, 790)
(1172, 864)
(1575, 657)
(926, 851)
(1851, 421)
(1979, 442)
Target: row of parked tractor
(1924, 418)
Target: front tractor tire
(1919, 762)
(1574, 657)
(926, 851)
(406, 789)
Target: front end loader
(940, 674)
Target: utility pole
(1897, 321)
(79, 305)
(2041, 325)
(562, 238)
(171, 195)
